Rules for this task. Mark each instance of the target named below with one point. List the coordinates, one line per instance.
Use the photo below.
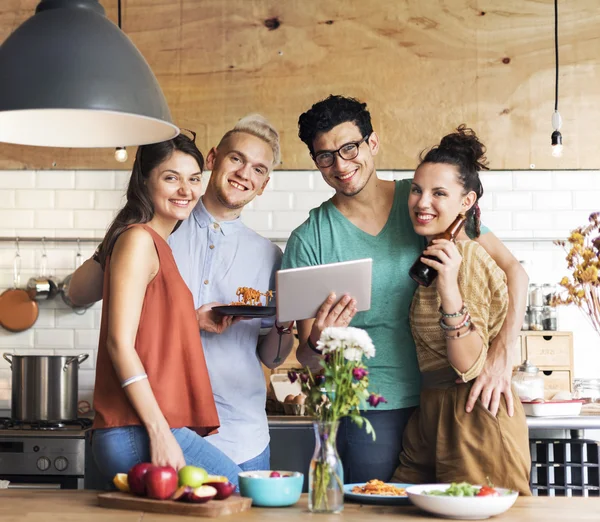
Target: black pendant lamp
(72, 78)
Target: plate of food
(462, 500)
(249, 304)
(377, 492)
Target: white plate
(553, 408)
(385, 500)
(463, 508)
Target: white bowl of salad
(462, 500)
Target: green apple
(192, 476)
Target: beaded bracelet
(459, 335)
(462, 311)
(464, 322)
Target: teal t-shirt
(329, 237)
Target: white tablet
(301, 291)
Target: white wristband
(133, 379)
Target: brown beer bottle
(423, 274)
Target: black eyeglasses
(348, 151)
(193, 138)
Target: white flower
(353, 354)
(354, 341)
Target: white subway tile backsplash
(587, 200)
(7, 199)
(95, 179)
(97, 219)
(17, 219)
(55, 179)
(122, 180)
(45, 318)
(53, 219)
(292, 181)
(516, 205)
(68, 319)
(109, 199)
(289, 220)
(12, 340)
(553, 200)
(512, 200)
(75, 199)
(274, 201)
(54, 338)
(34, 199)
(532, 220)
(577, 180)
(17, 179)
(87, 378)
(497, 181)
(536, 180)
(497, 220)
(306, 201)
(87, 338)
(256, 220)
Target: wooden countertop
(72, 505)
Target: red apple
(136, 478)
(275, 474)
(202, 494)
(224, 489)
(161, 482)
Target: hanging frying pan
(17, 311)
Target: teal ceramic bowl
(269, 491)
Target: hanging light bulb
(556, 138)
(121, 154)
(557, 146)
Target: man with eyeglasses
(216, 253)
(369, 217)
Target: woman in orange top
(153, 397)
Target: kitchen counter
(63, 505)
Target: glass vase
(325, 475)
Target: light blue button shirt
(214, 260)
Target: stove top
(82, 423)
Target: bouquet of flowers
(583, 260)
(340, 389)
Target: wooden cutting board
(212, 508)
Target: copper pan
(17, 311)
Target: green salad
(460, 489)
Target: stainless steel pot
(44, 387)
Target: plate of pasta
(377, 492)
(249, 304)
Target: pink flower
(292, 376)
(304, 378)
(374, 399)
(359, 373)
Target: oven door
(42, 482)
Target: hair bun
(464, 142)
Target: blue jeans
(116, 450)
(262, 461)
(364, 459)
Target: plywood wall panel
(423, 66)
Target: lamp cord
(119, 13)
(555, 52)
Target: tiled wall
(525, 208)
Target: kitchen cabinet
(552, 353)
